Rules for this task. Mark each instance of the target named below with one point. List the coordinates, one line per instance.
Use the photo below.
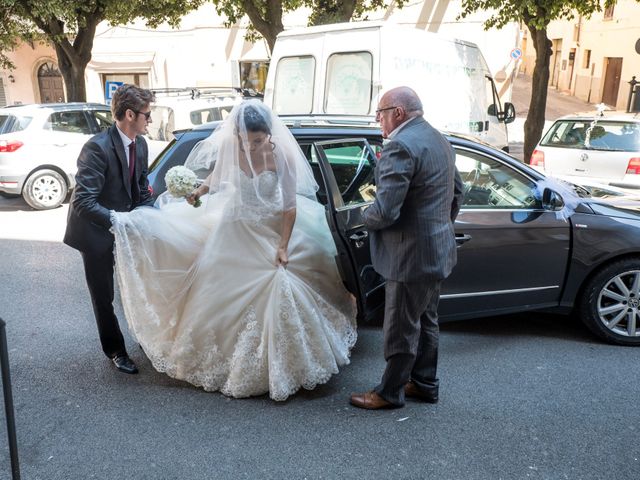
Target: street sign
(516, 53)
(109, 89)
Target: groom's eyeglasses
(147, 115)
(380, 110)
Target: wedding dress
(205, 300)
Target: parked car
(516, 252)
(592, 150)
(39, 146)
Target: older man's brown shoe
(370, 401)
(412, 391)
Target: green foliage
(265, 16)
(335, 11)
(70, 26)
(63, 20)
(535, 14)
(234, 10)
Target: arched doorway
(50, 83)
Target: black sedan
(525, 242)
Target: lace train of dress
(204, 298)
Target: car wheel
(610, 303)
(45, 189)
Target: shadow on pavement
(12, 204)
(530, 324)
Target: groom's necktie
(132, 158)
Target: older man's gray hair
(408, 99)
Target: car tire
(45, 189)
(610, 303)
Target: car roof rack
(206, 92)
(298, 120)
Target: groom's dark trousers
(104, 183)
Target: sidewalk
(558, 105)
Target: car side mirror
(552, 200)
(509, 112)
(492, 110)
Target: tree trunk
(72, 58)
(534, 124)
(270, 25)
(332, 11)
(72, 70)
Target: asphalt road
(523, 396)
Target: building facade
(594, 58)
(203, 53)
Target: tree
(266, 15)
(536, 15)
(12, 30)
(70, 26)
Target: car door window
(489, 183)
(72, 122)
(312, 157)
(103, 119)
(352, 164)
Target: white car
(592, 150)
(40, 144)
(39, 148)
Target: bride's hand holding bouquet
(181, 183)
(194, 197)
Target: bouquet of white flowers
(180, 182)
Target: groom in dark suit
(112, 176)
(419, 193)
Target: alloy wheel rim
(47, 190)
(619, 304)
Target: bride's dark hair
(255, 121)
(229, 144)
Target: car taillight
(537, 159)
(634, 166)
(10, 145)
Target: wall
(27, 60)
(196, 54)
(201, 52)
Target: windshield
(605, 135)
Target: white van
(342, 69)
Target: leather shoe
(124, 364)
(412, 391)
(370, 401)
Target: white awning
(122, 61)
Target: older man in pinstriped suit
(413, 246)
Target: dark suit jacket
(103, 184)
(419, 193)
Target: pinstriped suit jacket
(419, 193)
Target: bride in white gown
(241, 295)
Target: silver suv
(39, 148)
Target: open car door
(346, 167)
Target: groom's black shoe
(124, 364)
